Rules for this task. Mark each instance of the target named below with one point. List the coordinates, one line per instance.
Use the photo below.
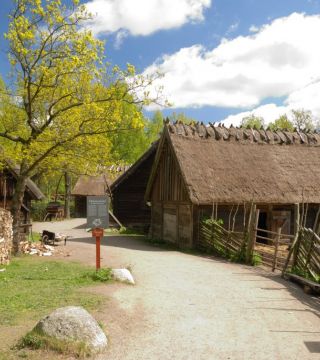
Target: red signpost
(98, 234)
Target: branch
(69, 140)
(13, 138)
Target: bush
(38, 210)
(102, 275)
(256, 259)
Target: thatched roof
(91, 186)
(233, 165)
(98, 185)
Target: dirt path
(191, 307)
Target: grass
(305, 274)
(35, 237)
(36, 340)
(32, 286)
(123, 231)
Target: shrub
(102, 275)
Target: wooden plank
(274, 233)
(313, 285)
(276, 249)
(296, 237)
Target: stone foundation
(5, 236)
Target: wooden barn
(7, 185)
(128, 193)
(88, 186)
(204, 170)
(94, 186)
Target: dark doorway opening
(262, 225)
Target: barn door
(185, 226)
(170, 224)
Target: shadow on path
(125, 242)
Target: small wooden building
(98, 185)
(88, 186)
(200, 170)
(128, 193)
(7, 185)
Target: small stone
(47, 253)
(123, 275)
(74, 323)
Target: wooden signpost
(98, 234)
(97, 220)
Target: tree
(252, 121)
(63, 95)
(282, 123)
(154, 126)
(302, 120)
(181, 117)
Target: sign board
(97, 212)
(98, 232)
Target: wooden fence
(273, 248)
(299, 252)
(216, 239)
(306, 254)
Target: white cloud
(144, 17)
(305, 98)
(253, 28)
(280, 59)
(233, 28)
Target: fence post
(296, 237)
(252, 232)
(276, 248)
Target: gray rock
(74, 323)
(123, 275)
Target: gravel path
(191, 307)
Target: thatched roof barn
(128, 192)
(94, 186)
(199, 166)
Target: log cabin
(8, 177)
(128, 193)
(204, 169)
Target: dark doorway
(262, 225)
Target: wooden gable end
(168, 183)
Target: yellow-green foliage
(66, 98)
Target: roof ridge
(220, 132)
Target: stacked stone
(5, 236)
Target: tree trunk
(57, 189)
(67, 184)
(17, 202)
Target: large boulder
(123, 275)
(74, 324)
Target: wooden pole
(274, 265)
(254, 216)
(315, 225)
(296, 237)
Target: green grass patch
(32, 286)
(34, 237)
(36, 340)
(305, 274)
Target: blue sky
(222, 59)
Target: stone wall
(5, 236)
